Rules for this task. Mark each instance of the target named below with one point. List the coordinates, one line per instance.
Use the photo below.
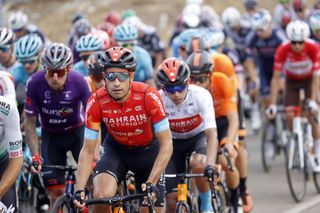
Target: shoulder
(279, 34)
(198, 92)
(140, 87)
(140, 52)
(251, 36)
(311, 44)
(6, 106)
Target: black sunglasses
(200, 79)
(297, 42)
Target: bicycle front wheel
(62, 205)
(296, 169)
(268, 145)
(182, 207)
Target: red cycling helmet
(173, 71)
(119, 57)
(113, 18)
(107, 27)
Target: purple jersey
(58, 111)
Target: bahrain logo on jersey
(185, 124)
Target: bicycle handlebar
(61, 167)
(183, 175)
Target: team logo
(138, 108)
(47, 94)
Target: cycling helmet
(76, 17)
(96, 68)
(191, 15)
(298, 31)
(82, 27)
(136, 22)
(113, 18)
(285, 18)
(194, 2)
(200, 62)
(215, 38)
(196, 44)
(231, 17)
(314, 21)
(28, 46)
(127, 14)
(186, 35)
(299, 5)
(119, 57)
(88, 43)
(173, 71)
(57, 56)
(103, 37)
(125, 32)
(18, 20)
(6, 36)
(261, 20)
(250, 3)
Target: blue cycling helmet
(125, 32)
(88, 43)
(186, 36)
(28, 46)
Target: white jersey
(10, 134)
(194, 115)
(7, 85)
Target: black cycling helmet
(95, 66)
(196, 44)
(200, 62)
(250, 3)
(119, 57)
(173, 71)
(57, 56)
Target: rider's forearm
(233, 127)
(275, 82)
(212, 145)
(315, 87)
(10, 175)
(163, 157)
(85, 164)
(31, 135)
(250, 67)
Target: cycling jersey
(80, 67)
(12, 67)
(132, 123)
(224, 94)
(10, 135)
(92, 86)
(7, 85)
(59, 111)
(195, 114)
(144, 69)
(297, 66)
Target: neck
(9, 62)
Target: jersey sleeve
(12, 132)
(249, 41)
(315, 57)
(154, 105)
(85, 90)
(205, 104)
(93, 113)
(279, 58)
(7, 84)
(30, 107)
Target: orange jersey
(222, 63)
(224, 94)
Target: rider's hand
(149, 187)
(233, 153)
(271, 111)
(36, 163)
(209, 171)
(78, 198)
(312, 106)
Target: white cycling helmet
(261, 20)
(298, 31)
(194, 2)
(6, 37)
(191, 15)
(231, 17)
(17, 20)
(314, 21)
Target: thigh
(9, 199)
(77, 138)
(222, 127)
(104, 179)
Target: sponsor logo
(65, 102)
(4, 108)
(15, 154)
(64, 112)
(67, 94)
(57, 121)
(109, 111)
(90, 104)
(157, 100)
(138, 108)
(128, 110)
(47, 94)
(129, 134)
(185, 124)
(15, 144)
(132, 120)
(137, 97)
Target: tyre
(296, 173)
(61, 205)
(316, 180)
(182, 207)
(222, 198)
(193, 203)
(268, 145)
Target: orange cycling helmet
(119, 57)
(173, 71)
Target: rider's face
(297, 46)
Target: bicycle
(298, 155)
(273, 140)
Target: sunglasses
(127, 44)
(297, 42)
(17, 30)
(60, 72)
(174, 89)
(5, 48)
(28, 61)
(200, 79)
(84, 57)
(122, 76)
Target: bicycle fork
(297, 132)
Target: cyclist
(223, 92)
(27, 50)
(86, 45)
(57, 95)
(126, 35)
(179, 44)
(112, 17)
(192, 123)
(250, 9)
(7, 57)
(282, 7)
(299, 8)
(137, 128)
(264, 40)
(10, 153)
(299, 58)
(18, 22)
(314, 23)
